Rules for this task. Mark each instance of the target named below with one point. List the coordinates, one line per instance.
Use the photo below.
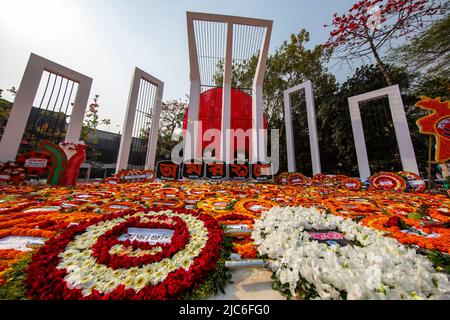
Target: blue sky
(106, 39)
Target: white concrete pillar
(193, 137)
(312, 127)
(402, 132)
(259, 150)
(128, 127)
(23, 103)
(292, 166)
(226, 154)
(405, 145)
(154, 133)
(20, 112)
(259, 141)
(193, 143)
(127, 131)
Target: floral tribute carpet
(321, 240)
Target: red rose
(392, 222)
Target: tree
(12, 91)
(5, 110)
(428, 52)
(370, 25)
(290, 65)
(336, 118)
(90, 125)
(172, 115)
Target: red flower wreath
(45, 281)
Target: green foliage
(440, 261)
(217, 280)
(15, 289)
(427, 52)
(90, 125)
(304, 289)
(5, 109)
(171, 121)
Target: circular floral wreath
(296, 179)
(282, 178)
(11, 173)
(21, 160)
(319, 179)
(136, 176)
(254, 207)
(89, 262)
(388, 181)
(419, 185)
(216, 206)
(352, 184)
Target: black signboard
(262, 172)
(239, 171)
(216, 170)
(330, 237)
(193, 170)
(167, 170)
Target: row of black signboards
(238, 171)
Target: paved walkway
(251, 284)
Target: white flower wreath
(371, 267)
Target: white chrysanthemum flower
(381, 268)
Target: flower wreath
(39, 224)
(35, 171)
(281, 198)
(441, 214)
(15, 206)
(388, 181)
(296, 179)
(111, 181)
(127, 176)
(415, 183)
(84, 262)
(157, 202)
(351, 207)
(233, 219)
(412, 232)
(319, 179)
(352, 184)
(336, 181)
(168, 193)
(12, 173)
(282, 178)
(370, 266)
(15, 190)
(245, 248)
(216, 206)
(254, 207)
(118, 206)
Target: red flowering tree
(371, 24)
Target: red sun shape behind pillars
(210, 113)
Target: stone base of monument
(246, 264)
